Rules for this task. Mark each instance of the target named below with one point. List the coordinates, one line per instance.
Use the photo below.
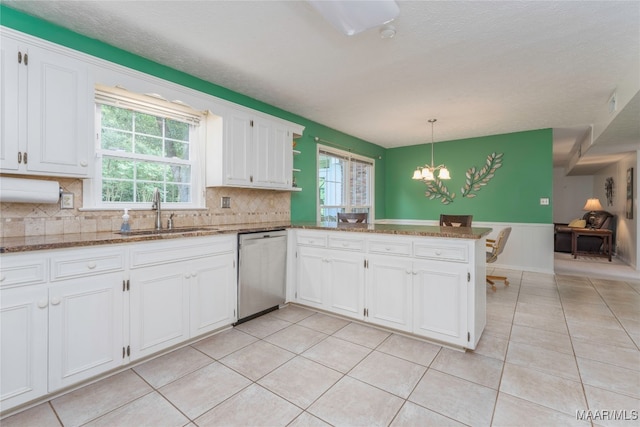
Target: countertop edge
(68, 241)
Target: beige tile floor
(553, 345)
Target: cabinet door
(346, 283)
(85, 328)
(238, 154)
(440, 301)
(59, 105)
(274, 155)
(311, 273)
(213, 293)
(23, 349)
(159, 304)
(9, 105)
(263, 142)
(388, 292)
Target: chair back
(352, 217)
(455, 220)
(497, 245)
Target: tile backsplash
(247, 206)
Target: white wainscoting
(529, 248)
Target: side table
(606, 235)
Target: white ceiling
(481, 68)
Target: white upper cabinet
(237, 153)
(253, 151)
(46, 111)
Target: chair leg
(490, 280)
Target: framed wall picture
(629, 193)
(608, 187)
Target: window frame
(348, 156)
(154, 105)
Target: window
(145, 143)
(345, 183)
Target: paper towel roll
(29, 190)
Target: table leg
(574, 244)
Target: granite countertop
(59, 241)
(399, 229)
(34, 243)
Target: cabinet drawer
(439, 252)
(22, 270)
(312, 239)
(78, 264)
(391, 248)
(175, 250)
(346, 243)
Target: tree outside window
(141, 152)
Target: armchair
(603, 219)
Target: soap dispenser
(125, 227)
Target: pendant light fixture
(428, 172)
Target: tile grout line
(504, 362)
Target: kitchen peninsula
(424, 280)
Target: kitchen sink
(164, 231)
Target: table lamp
(592, 206)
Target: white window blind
(154, 105)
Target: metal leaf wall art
(437, 190)
(476, 179)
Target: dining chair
(497, 246)
(352, 217)
(455, 220)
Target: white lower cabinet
(85, 328)
(331, 280)
(213, 293)
(424, 286)
(65, 329)
(23, 344)
(73, 314)
(179, 290)
(389, 292)
(345, 280)
(440, 301)
(159, 308)
(310, 276)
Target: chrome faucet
(156, 205)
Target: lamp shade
(592, 205)
(427, 174)
(444, 173)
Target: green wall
(512, 195)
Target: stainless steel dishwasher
(262, 265)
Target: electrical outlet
(544, 201)
(225, 202)
(66, 201)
